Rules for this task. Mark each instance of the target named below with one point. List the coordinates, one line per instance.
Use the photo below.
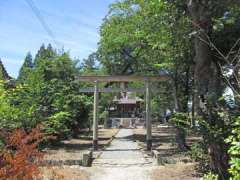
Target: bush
(234, 150)
(182, 122)
(198, 152)
(20, 155)
(58, 124)
(14, 116)
(210, 176)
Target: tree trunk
(219, 159)
(181, 139)
(185, 107)
(175, 90)
(203, 60)
(206, 78)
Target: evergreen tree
(3, 73)
(50, 52)
(44, 53)
(90, 62)
(26, 68)
(40, 52)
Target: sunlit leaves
(234, 151)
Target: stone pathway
(122, 160)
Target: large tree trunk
(206, 77)
(202, 23)
(219, 159)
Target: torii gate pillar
(95, 116)
(148, 117)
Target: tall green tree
(3, 73)
(26, 68)
(90, 62)
(44, 53)
(140, 37)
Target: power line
(37, 13)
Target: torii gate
(96, 90)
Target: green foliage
(3, 73)
(234, 151)
(103, 115)
(26, 68)
(198, 153)
(89, 64)
(57, 124)
(151, 37)
(43, 54)
(139, 37)
(11, 116)
(181, 120)
(46, 94)
(182, 123)
(210, 176)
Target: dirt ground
(64, 173)
(73, 149)
(163, 138)
(179, 171)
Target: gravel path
(122, 160)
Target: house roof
(127, 100)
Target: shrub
(234, 150)
(182, 122)
(198, 152)
(13, 115)
(210, 176)
(58, 124)
(20, 155)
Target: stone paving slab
(123, 151)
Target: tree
(90, 62)
(44, 53)
(140, 37)
(208, 80)
(25, 69)
(162, 37)
(54, 96)
(3, 73)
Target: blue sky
(74, 23)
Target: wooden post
(95, 117)
(148, 117)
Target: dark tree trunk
(175, 91)
(206, 78)
(219, 159)
(194, 105)
(181, 139)
(186, 90)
